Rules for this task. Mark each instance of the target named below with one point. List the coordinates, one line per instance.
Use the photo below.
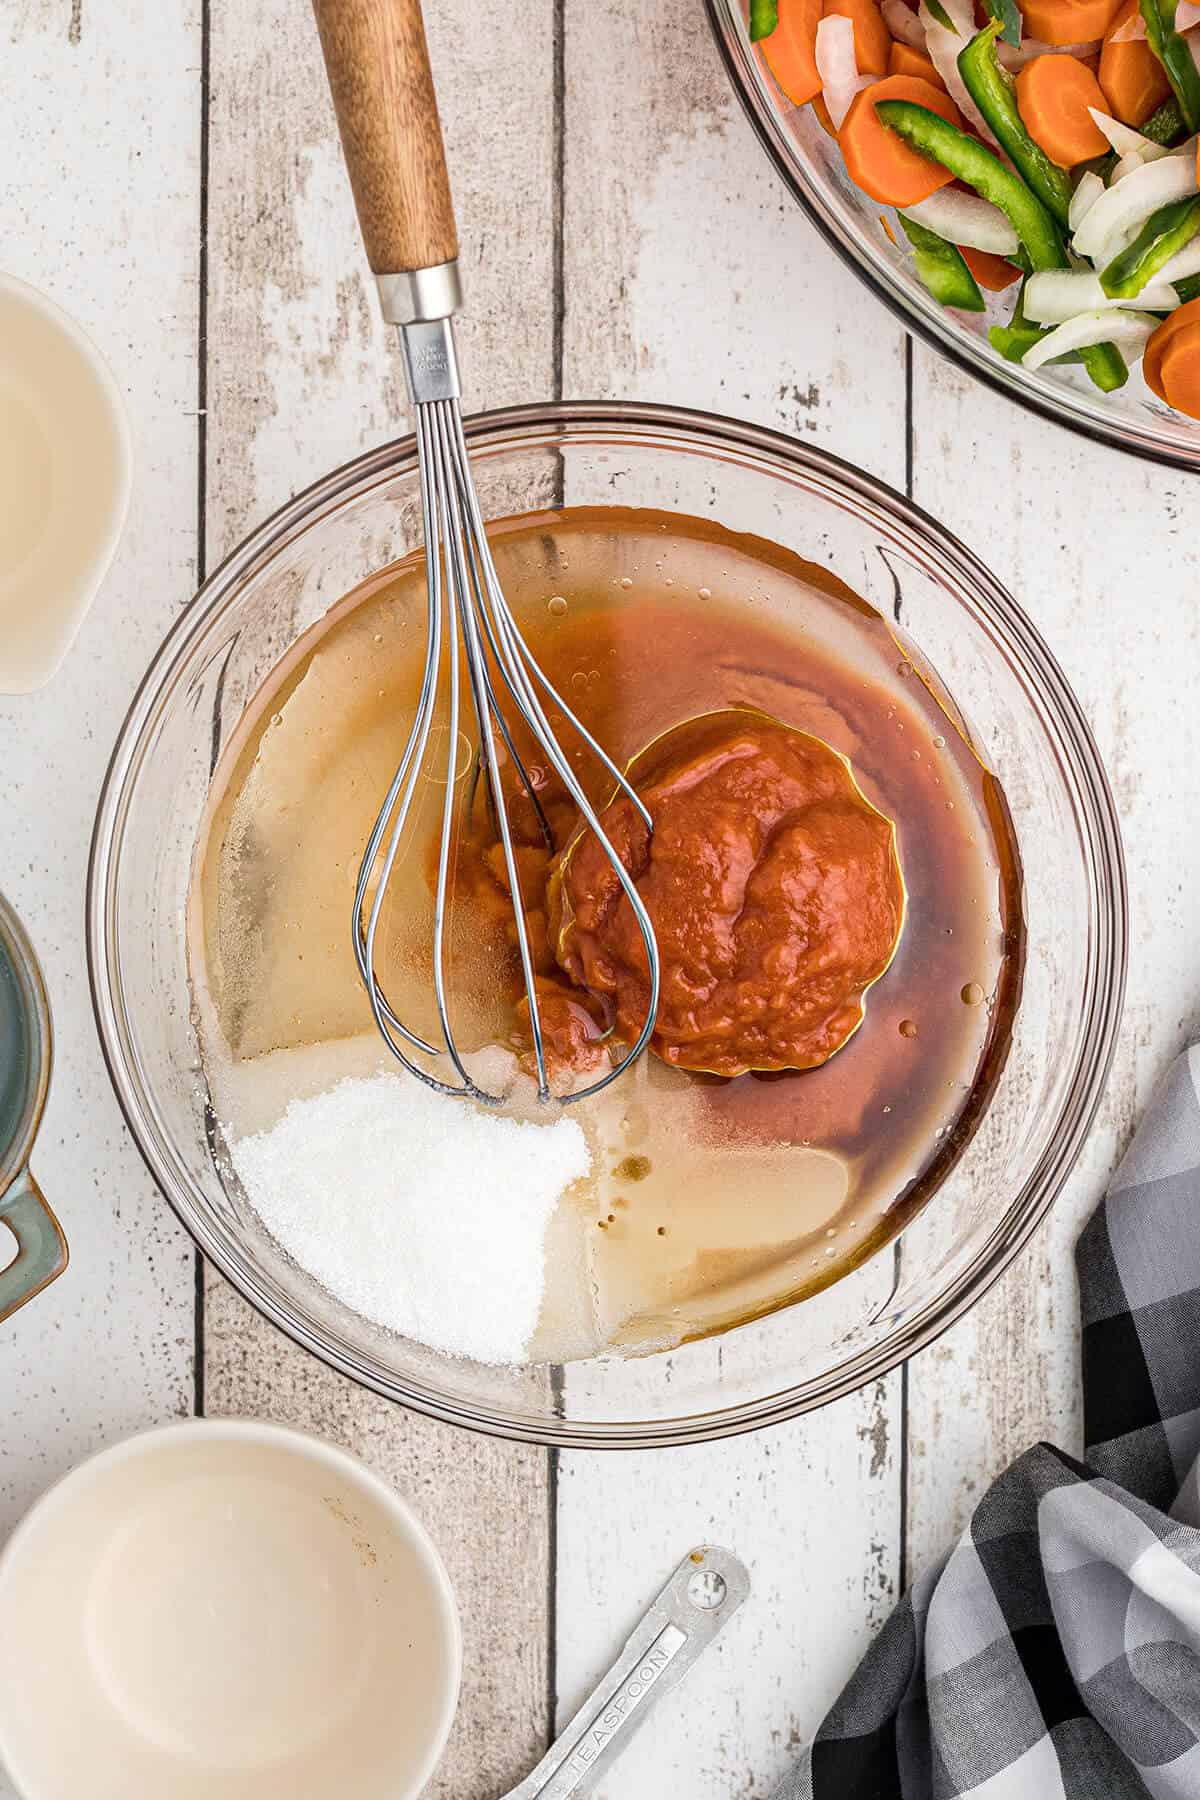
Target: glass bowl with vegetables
(1019, 182)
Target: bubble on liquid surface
(972, 994)
(908, 1028)
(904, 668)
(557, 606)
(626, 582)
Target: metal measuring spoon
(706, 1590)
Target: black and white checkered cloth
(1055, 1654)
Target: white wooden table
(171, 177)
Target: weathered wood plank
(100, 139)
(301, 376)
(690, 276)
(1099, 550)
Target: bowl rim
(932, 325)
(1096, 814)
(93, 368)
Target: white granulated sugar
(423, 1212)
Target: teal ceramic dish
(25, 1049)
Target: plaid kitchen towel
(1055, 1654)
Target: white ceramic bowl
(65, 465)
(224, 1608)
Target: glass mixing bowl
(811, 164)
(1024, 720)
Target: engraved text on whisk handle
(430, 364)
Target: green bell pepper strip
(1165, 125)
(942, 268)
(1174, 55)
(1021, 334)
(970, 161)
(994, 92)
(764, 17)
(1164, 232)
(1018, 336)
(1187, 289)
(1007, 15)
(942, 16)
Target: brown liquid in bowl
(711, 1200)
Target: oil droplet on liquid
(904, 668)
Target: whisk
(378, 66)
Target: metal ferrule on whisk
(465, 603)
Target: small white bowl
(65, 465)
(224, 1608)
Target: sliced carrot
(872, 39)
(1133, 79)
(990, 271)
(1053, 96)
(822, 112)
(887, 228)
(1179, 371)
(791, 49)
(878, 160)
(904, 60)
(1068, 21)
(1182, 319)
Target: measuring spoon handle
(704, 1592)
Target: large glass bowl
(1025, 722)
(811, 164)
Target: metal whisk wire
(466, 610)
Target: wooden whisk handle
(377, 61)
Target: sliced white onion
(1130, 331)
(944, 47)
(1055, 295)
(1185, 262)
(1131, 32)
(1124, 139)
(966, 219)
(838, 67)
(903, 24)
(1125, 165)
(1088, 190)
(1014, 57)
(1123, 208)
